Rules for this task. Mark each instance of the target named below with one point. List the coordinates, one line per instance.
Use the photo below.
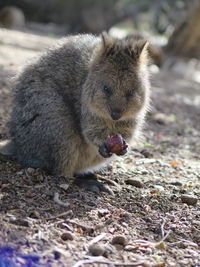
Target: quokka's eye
(131, 92)
(107, 90)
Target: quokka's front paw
(104, 152)
(123, 151)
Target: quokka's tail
(6, 149)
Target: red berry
(115, 144)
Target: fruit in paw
(116, 144)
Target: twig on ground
(60, 202)
(162, 228)
(66, 213)
(83, 227)
(101, 260)
(143, 241)
(97, 238)
(166, 236)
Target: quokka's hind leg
(66, 158)
(89, 182)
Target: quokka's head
(117, 85)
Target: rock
(135, 183)
(189, 200)
(176, 183)
(130, 248)
(67, 236)
(64, 186)
(119, 240)
(159, 187)
(34, 214)
(160, 264)
(146, 264)
(103, 212)
(146, 153)
(57, 255)
(144, 172)
(96, 250)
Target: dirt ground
(153, 217)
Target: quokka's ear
(106, 40)
(108, 44)
(102, 50)
(141, 51)
(141, 47)
(137, 50)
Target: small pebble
(57, 255)
(103, 212)
(64, 186)
(34, 214)
(119, 240)
(146, 264)
(160, 264)
(67, 236)
(30, 170)
(146, 153)
(161, 245)
(159, 187)
(176, 183)
(96, 250)
(130, 248)
(185, 206)
(144, 172)
(182, 245)
(189, 200)
(135, 183)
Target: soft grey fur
(61, 117)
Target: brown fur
(62, 114)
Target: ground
(153, 217)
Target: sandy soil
(153, 218)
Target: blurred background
(171, 24)
(158, 16)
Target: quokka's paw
(104, 151)
(123, 151)
(89, 182)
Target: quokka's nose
(116, 114)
